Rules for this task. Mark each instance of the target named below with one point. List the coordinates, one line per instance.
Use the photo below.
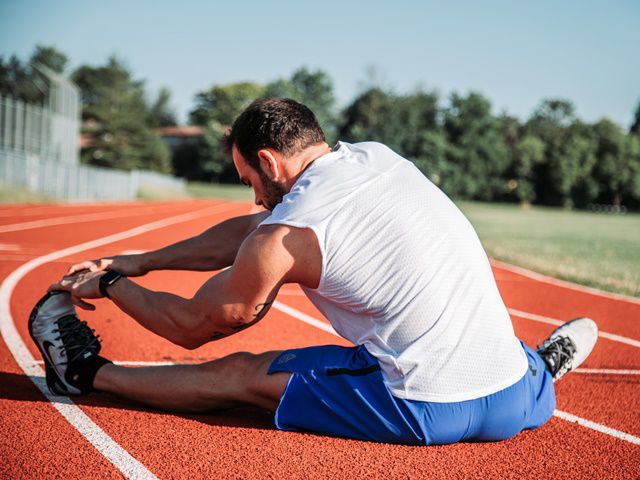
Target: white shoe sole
(583, 332)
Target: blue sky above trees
(514, 53)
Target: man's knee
(231, 368)
(245, 378)
(245, 364)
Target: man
(384, 255)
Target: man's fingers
(59, 286)
(66, 283)
(78, 267)
(82, 304)
(91, 265)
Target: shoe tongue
(78, 335)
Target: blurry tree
(203, 159)
(632, 185)
(618, 162)
(215, 109)
(160, 112)
(117, 116)
(368, 118)
(635, 125)
(223, 103)
(528, 152)
(550, 123)
(477, 155)
(409, 124)
(24, 82)
(19, 81)
(315, 90)
(417, 133)
(50, 58)
(571, 169)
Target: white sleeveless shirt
(404, 274)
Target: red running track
(106, 437)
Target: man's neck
(299, 162)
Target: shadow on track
(18, 387)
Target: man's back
(404, 274)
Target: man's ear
(269, 162)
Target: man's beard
(273, 192)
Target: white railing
(32, 129)
(78, 182)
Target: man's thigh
(242, 378)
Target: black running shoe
(568, 346)
(68, 346)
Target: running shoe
(68, 346)
(568, 346)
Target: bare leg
(238, 379)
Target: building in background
(179, 136)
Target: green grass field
(597, 250)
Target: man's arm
(213, 249)
(227, 303)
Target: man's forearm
(214, 249)
(165, 314)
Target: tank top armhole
(319, 237)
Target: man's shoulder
(295, 248)
(280, 234)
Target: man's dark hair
(279, 123)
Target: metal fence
(45, 132)
(78, 182)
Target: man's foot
(568, 346)
(68, 346)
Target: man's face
(267, 192)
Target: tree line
(551, 158)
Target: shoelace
(558, 354)
(76, 337)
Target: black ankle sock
(81, 374)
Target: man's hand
(85, 284)
(128, 265)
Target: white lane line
(55, 208)
(15, 258)
(597, 427)
(112, 451)
(554, 321)
(539, 277)
(133, 363)
(606, 371)
(85, 217)
(565, 416)
(304, 317)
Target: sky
(514, 52)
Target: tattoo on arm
(261, 309)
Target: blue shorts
(340, 391)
